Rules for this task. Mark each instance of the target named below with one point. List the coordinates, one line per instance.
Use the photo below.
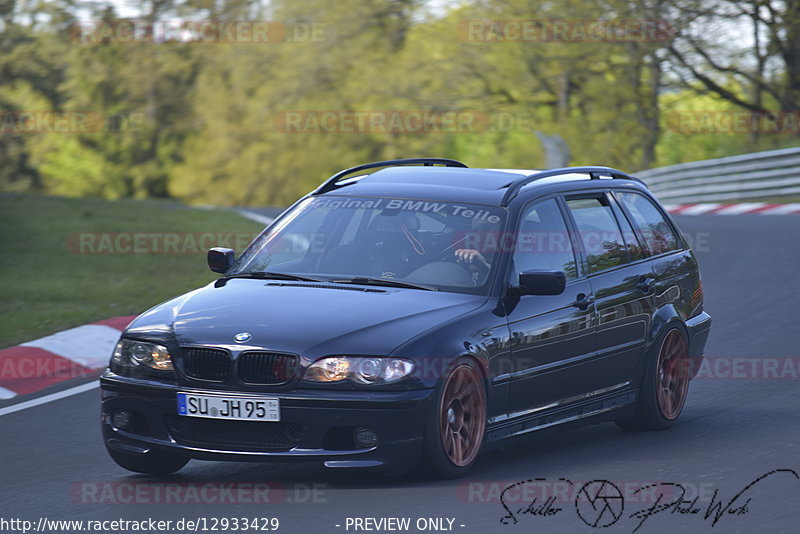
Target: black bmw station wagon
(416, 312)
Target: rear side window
(656, 231)
(601, 237)
(634, 248)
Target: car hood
(303, 318)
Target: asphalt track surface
(732, 431)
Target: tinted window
(542, 241)
(598, 230)
(631, 241)
(441, 244)
(657, 233)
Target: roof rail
(331, 182)
(593, 172)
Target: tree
(759, 71)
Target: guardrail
(750, 176)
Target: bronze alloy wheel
(462, 415)
(672, 379)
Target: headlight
(362, 370)
(135, 353)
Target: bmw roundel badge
(241, 337)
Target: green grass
(49, 283)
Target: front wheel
(665, 386)
(152, 463)
(456, 427)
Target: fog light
(121, 420)
(365, 437)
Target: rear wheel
(152, 462)
(665, 386)
(456, 426)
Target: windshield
(443, 245)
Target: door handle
(583, 301)
(645, 284)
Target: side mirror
(220, 259)
(542, 282)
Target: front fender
(480, 335)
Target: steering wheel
(446, 273)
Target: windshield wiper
(363, 280)
(267, 275)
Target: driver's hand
(471, 256)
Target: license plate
(230, 407)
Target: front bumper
(315, 425)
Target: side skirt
(564, 414)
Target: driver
(473, 258)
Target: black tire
(151, 463)
(666, 376)
(461, 400)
